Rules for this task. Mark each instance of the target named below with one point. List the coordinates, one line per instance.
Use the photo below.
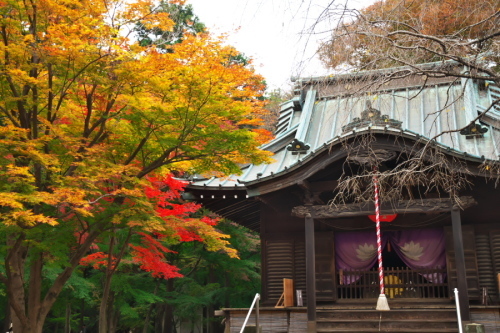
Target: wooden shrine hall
(438, 166)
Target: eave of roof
(250, 186)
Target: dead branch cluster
(418, 171)
(407, 33)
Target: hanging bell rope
(382, 300)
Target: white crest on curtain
(412, 250)
(366, 252)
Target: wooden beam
(304, 184)
(321, 186)
(312, 191)
(268, 203)
(324, 186)
(310, 274)
(458, 246)
(401, 207)
(309, 198)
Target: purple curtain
(422, 249)
(356, 251)
(417, 248)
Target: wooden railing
(399, 283)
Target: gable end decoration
(474, 130)
(298, 147)
(371, 117)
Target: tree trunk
(106, 307)
(32, 319)
(159, 320)
(112, 314)
(7, 320)
(227, 284)
(105, 304)
(14, 265)
(29, 317)
(82, 313)
(145, 328)
(211, 324)
(168, 325)
(106, 288)
(67, 324)
(113, 317)
(35, 290)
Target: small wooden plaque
(286, 299)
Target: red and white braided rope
(379, 238)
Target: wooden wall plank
(490, 318)
(279, 321)
(471, 270)
(325, 267)
(271, 322)
(283, 259)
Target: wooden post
(458, 246)
(310, 275)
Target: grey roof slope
(317, 115)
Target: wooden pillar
(458, 246)
(310, 274)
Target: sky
(274, 33)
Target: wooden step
(395, 320)
(393, 314)
(395, 330)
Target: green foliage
(212, 280)
(239, 279)
(185, 22)
(239, 59)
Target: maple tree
(211, 279)
(86, 114)
(152, 245)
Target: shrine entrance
(414, 265)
